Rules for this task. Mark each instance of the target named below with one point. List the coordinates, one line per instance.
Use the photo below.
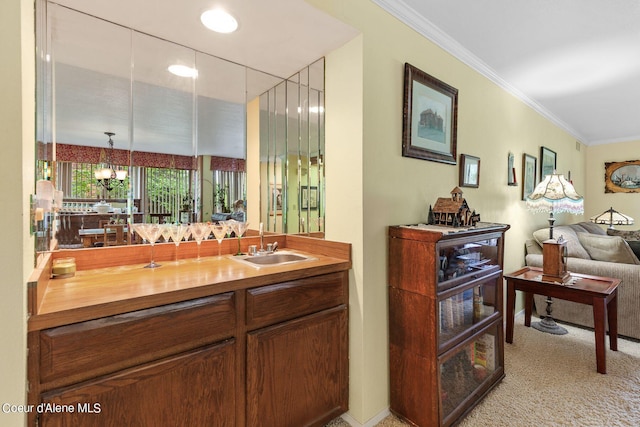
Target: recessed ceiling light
(183, 71)
(219, 21)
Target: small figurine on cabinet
(453, 212)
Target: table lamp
(554, 194)
(612, 217)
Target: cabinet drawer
(275, 303)
(83, 350)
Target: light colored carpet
(551, 380)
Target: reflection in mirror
(90, 57)
(292, 153)
(181, 138)
(221, 88)
(165, 169)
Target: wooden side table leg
(528, 307)
(599, 309)
(612, 318)
(511, 305)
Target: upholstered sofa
(592, 250)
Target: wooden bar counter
(206, 340)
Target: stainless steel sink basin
(278, 258)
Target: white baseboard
(371, 423)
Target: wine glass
(177, 233)
(151, 233)
(219, 230)
(199, 232)
(239, 228)
(166, 233)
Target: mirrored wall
(106, 100)
(292, 153)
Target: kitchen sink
(278, 258)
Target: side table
(599, 292)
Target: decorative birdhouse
(452, 212)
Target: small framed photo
(469, 171)
(548, 160)
(529, 171)
(430, 117)
(310, 198)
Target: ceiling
(577, 62)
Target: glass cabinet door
(459, 259)
(467, 368)
(463, 308)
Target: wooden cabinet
(193, 389)
(274, 355)
(305, 363)
(445, 320)
(299, 353)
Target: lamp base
(548, 325)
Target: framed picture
(430, 117)
(310, 198)
(547, 162)
(622, 177)
(469, 171)
(529, 170)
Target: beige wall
(596, 200)
(364, 125)
(17, 111)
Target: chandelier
(109, 177)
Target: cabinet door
(297, 372)
(464, 310)
(193, 389)
(470, 369)
(461, 259)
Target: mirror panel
(163, 103)
(91, 58)
(221, 143)
(170, 132)
(292, 153)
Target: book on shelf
(484, 352)
(456, 311)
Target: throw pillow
(608, 248)
(632, 238)
(574, 248)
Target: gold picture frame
(622, 177)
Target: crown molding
(426, 28)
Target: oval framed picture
(622, 177)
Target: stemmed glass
(166, 234)
(177, 233)
(151, 233)
(199, 232)
(239, 228)
(219, 230)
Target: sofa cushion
(632, 237)
(574, 248)
(607, 248)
